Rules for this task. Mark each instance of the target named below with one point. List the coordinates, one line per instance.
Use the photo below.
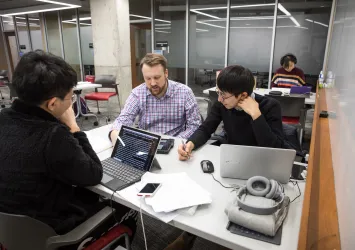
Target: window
(302, 29)
(70, 39)
(250, 37)
(37, 32)
(170, 29)
(140, 36)
(8, 23)
(207, 39)
(22, 33)
(87, 44)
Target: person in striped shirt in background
(288, 75)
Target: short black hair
(236, 80)
(40, 76)
(286, 59)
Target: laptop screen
(136, 148)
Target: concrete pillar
(111, 38)
(53, 34)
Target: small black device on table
(237, 229)
(165, 145)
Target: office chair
(209, 73)
(23, 232)
(13, 93)
(293, 111)
(107, 81)
(221, 137)
(209, 105)
(291, 141)
(3, 84)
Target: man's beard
(157, 89)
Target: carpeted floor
(159, 235)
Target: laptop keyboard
(121, 171)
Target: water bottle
(321, 79)
(330, 79)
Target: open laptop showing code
(136, 148)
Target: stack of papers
(130, 194)
(179, 194)
(177, 191)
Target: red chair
(107, 82)
(90, 78)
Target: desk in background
(210, 221)
(309, 100)
(77, 91)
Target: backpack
(84, 108)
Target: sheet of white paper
(98, 143)
(83, 82)
(188, 211)
(177, 191)
(130, 194)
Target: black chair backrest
(13, 92)
(3, 72)
(213, 96)
(291, 106)
(23, 232)
(107, 81)
(4, 76)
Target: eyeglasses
(73, 98)
(221, 94)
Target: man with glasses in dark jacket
(45, 160)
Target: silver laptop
(132, 156)
(243, 162)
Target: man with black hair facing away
(249, 119)
(288, 75)
(45, 160)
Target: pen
(184, 147)
(119, 138)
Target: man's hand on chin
(251, 107)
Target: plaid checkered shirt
(175, 114)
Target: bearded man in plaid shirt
(163, 106)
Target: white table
(309, 100)
(77, 91)
(210, 221)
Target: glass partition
(36, 32)
(250, 37)
(70, 39)
(170, 37)
(207, 40)
(302, 29)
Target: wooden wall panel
(319, 224)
